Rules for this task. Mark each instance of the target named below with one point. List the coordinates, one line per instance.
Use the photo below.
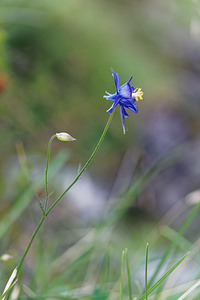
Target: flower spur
(125, 96)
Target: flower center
(137, 94)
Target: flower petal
(124, 111)
(122, 117)
(133, 89)
(130, 105)
(110, 96)
(116, 79)
(117, 99)
(130, 79)
(110, 110)
(125, 90)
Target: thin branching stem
(61, 196)
(46, 172)
(85, 166)
(30, 243)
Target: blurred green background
(55, 60)
(55, 66)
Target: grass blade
(146, 262)
(175, 241)
(122, 276)
(190, 290)
(150, 290)
(11, 282)
(23, 201)
(117, 210)
(128, 273)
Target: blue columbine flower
(125, 96)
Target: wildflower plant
(62, 136)
(126, 97)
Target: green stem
(85, 166)
(46, 172)
(56, 202)
(29, 245)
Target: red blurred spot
(3, 81)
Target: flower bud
(6, 257)
(65, 137)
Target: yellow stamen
(137, 94)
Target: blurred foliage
(55, 60)
(59, 56)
